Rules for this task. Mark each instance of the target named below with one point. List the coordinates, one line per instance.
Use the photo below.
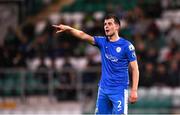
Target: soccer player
(117, 55)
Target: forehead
(109, 20)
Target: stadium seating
(99, 5)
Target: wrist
(68, 28)
(133, 89)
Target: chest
(114, 50)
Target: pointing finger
(56, 26)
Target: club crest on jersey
(118, 49)
(131, 47)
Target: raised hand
(75, 32)
(61, 28)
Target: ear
(117, 26)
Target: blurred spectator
(90, 76)
(41, 45)
(93, 55)
(28, 31)
(67, 80)
(19, 60)
(174, 74)
(11, 38)
(166, 53)
(161, 75)
(67, 77)
(41, 72)
(177, 56)
(152, 40)
(153, 28)
(97, 28)
(140, 47)
(174, 33)
(6, 58)
(152, 55)
(147, 75)
(142, 23)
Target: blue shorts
(112, 101)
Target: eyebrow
(107, 22)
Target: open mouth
(107, 31)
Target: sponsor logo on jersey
(112, 58)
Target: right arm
(77, 33)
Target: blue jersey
(115, 58)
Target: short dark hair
(112, 16)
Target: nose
(106, 27)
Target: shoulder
(99, 37)
(128, 44)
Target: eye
(109, 23)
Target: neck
(114, 38)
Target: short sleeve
(130, 51)
(99, 41)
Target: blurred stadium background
(45, 73)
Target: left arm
(135, 80)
